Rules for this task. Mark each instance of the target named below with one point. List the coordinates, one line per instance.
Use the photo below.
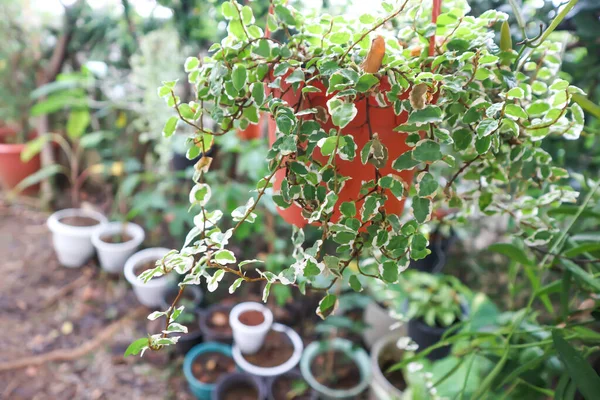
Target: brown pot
(12, 169)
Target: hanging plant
(366, 114)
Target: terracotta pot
(382, 120)
(12, 169)
(252, 131)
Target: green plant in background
(436, 299)
(476, 116)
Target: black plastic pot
(210, 334)
(312, 395)
(193, 293)
(435, 262)
(426, 336)
(238, 380)
(181, 163)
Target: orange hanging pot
(383, 121)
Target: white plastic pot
(73, 244)
(287, 366)
(152, 292)
(113, 256)
(249, 339)
(380, 387)
(379, 323)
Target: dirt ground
(49, 309)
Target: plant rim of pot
(195, 352)
(152, 253)
(288, 365)
(358, 355)
(239, 377)
(270, 382)
(110, 228)
(239, 309)
(56, 226)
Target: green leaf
(348, 209)
(238, 76)
(170, 127)
(327, 306)
(515, 111)
(224, 257)
(513, 252)
(191, 63)
(425, 115)
(77, 123)
(366, 82)
(285, 15)
(33, 147)
(311, 269)
(587, 104)
(390, 271)
(355, 284)
(342, 113)
(404, 162)
(39, 176)
(136, 347)
(581, 274)
(515, 93)
(486, 127)
(427, 185)
(580, 371)
(462, 138)
(421, 209)
(258, 93)
(583, 248)
(228, 10)
(427, 151)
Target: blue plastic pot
(202, 391)
(359, 356)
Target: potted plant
(214, 323)
(250, 323)
(281, 351)
(149, 284)
(336, 369)
(239, 385)
(434, 304)
(289, 386)
(115, 242)
(459, 118)
(190, 300)
(204, 364)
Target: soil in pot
(138, 270)
(79, 221)
(208, 367)
(251, 318)
(219, 322)
(116, 238)
(277, 349)
(396, 378)
(335, 370)
(286, 387)
(242, 391)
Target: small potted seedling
(434, 304)
(115, 242)
(336, 368)
(280, 352)
(239, 386)
(204, 365)
(250, 323)
(289, 386)
(148, 290)
(190, 299)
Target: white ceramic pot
(152, 292)
(113, 256)
(250, 339)
(287, 366)
(73, 244)
(384, 348)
